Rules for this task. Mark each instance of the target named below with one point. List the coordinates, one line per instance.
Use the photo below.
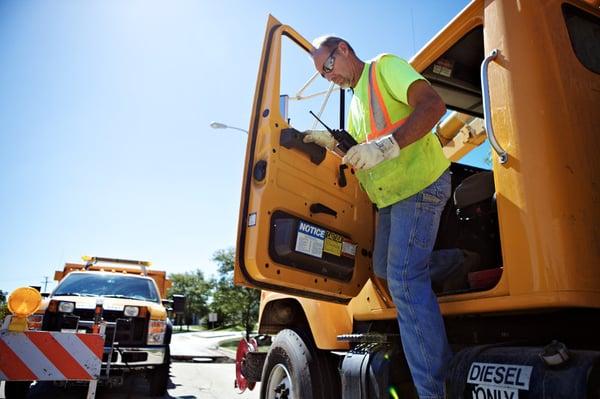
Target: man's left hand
(368, 155)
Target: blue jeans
(406, 233)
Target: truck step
(369, 338)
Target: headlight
(34, 322)
(66, 307)
(131, 311)
(156, 332)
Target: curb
(202, 359)
(217, 355)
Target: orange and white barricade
(47, 355)
(50, 356)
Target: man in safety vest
(401, 166)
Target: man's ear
(343, 48)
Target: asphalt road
(188, 381)
(209, 376)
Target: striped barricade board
(50, 356)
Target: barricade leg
(92, 389)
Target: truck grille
(130, 331)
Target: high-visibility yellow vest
(378, 107)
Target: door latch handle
(342, 182)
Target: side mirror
(179, 303)
(284, 100)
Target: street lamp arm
(238, 128)
(219, 125)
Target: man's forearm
(428, 109)
(419, 123)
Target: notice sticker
(310, 239)
(491, 380)
(348, 249)
(443, 67)
(333, 243)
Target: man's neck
(357, 70)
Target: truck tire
(159, 377)
(296, 369)
(16, 389)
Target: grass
(184, 329)
(195, 328)
(233, 344)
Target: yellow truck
(524, 323)
(128, 296)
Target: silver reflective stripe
(377, 112)
(80, 352)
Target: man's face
(333, 64)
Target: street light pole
(219, 125)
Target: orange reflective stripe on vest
(381, 123)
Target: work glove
(367, 155)
(320, 137)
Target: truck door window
(306, 90)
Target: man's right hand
(320, 137)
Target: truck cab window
(584, 32)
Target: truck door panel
(304, 229)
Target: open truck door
(305, 227)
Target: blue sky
(105, 147)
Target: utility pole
(45, 282)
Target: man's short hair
(330, 42)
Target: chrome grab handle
(487, 114)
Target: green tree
(196, 291)
(237, 306)
(3, 305)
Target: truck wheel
(296, 369)
(16, 389)
(159, 377)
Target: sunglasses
(329, 62)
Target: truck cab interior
(470, 219)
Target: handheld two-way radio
(343, 138)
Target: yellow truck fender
(323, 320)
